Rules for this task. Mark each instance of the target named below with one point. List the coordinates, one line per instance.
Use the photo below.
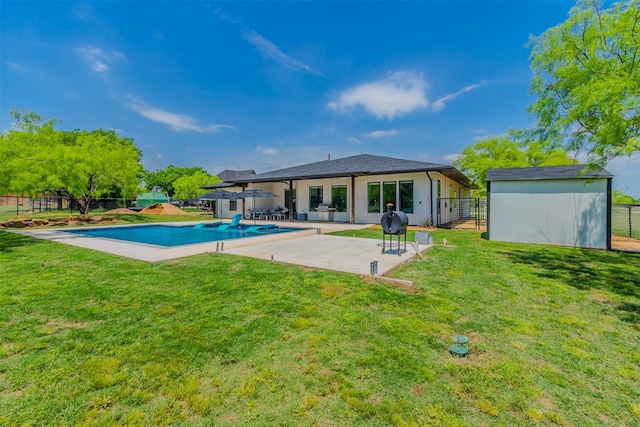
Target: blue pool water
(169, 235)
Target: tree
(619, 196)
(78, 165)
(505, 152)
(587, 81)
(190, 186)
(164, 179)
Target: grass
(87, 338)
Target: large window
(389, 189)
(233, 205)
(339, 197)
(406, 196)
(315, 198)
(373, 197)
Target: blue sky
(266, 85)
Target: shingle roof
(362, 164)
(546, 173)
(229, 174)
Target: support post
(291, 200)
(352, 216)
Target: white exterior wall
(448, 188)
(557, 212)
(421, 197)
(303, 197)
(424, 205)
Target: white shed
(551, 205)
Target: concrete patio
(309, 247)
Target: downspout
(609, 219)
(430, 197)
(488, 210)
(353, 200)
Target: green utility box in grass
(147, 199)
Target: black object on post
(394, 223)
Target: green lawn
(88, 338)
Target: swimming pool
(171, 235)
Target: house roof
(362, 164)
(227, 176)
(230, 174)
(546, 173)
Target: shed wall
(557, 212)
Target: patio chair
(281, 215)
(235, 222)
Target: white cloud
(441, 102)
(159, 156)
(176, 122)
(99, 67)
(400, 93)
(353, 140)
(490, 135)
(381, 133)
(15, 66)
(450, 158)
(269, 50)
(267, 151)
(98, 59)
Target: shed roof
(362, 164)
(546, 173)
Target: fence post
(630, 227)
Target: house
(357, 189)
(554, 205)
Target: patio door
(292, 210)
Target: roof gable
(230, 174)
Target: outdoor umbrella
(219, 195)
(254, 192)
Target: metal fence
(17, 205)
(462, 213)
(625, 220)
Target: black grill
(394, 223)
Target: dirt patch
(121, 211)
(56, 222)
(164, 209)
(627, 244)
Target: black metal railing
(625, 220)
(462, 212)
(16, 205)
